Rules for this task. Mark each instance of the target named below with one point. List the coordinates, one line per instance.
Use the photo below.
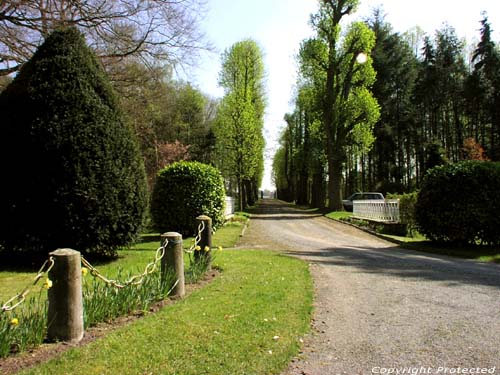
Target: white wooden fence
(386, 211)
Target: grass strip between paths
(419, 243)
(248, 321)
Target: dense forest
(436, 100)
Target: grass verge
(248, 321)
(420, 243)
(133, 259)
(338, 215)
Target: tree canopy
(332, 62)
(239, 124)
(438, 102)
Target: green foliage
(434, 155)
(460, 203)
(105, 302)
(330, 63)
(406, 209)
(24, 327)
(102, 302)
(75, 175)
(227, 327)
(183, 191)
(240, 118)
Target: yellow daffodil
(197, 248)
(219, 248)
(207, 249)
(47, 284)
(14, 322)
(84, 271)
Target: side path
(378, 307)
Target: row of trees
(80, 147)
(380, 124)
(140, 43)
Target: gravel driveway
(380, 309)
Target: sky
(279, 26)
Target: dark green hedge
(406, 209)
(461, 203)
(183, 191)
(72, 174)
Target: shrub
(183, 191)
(406, 209)
(460, 203)
(72, 172)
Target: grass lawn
(132, 260)
(420, 243)
(338, 215)
(247, 321)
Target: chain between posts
(21, 297)
(197, 238)
(134, 280)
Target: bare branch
(150, 30)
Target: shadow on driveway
(397, 262)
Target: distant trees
(238, 127)
(139, 43)
(385, 167)
(447, 107)
(74, 175)
(173, 120)
(485, 82)
(298, 165)
(437, 105)
(340, 70)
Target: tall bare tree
(115, 29)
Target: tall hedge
(183, 191)
(461, 203)
(72, 174)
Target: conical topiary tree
(72, 175)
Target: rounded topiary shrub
(460, 203)
(183, 191)
(72, 174)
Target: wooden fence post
(173, 262)
(205, 241)
(65, 312)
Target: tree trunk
(318, 189)
(336, 186)
(335, 160)
(250, 194)
(240, 194)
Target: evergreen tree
(486, 59)
(396, 67)
(75, 175)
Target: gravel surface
(380, 309)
